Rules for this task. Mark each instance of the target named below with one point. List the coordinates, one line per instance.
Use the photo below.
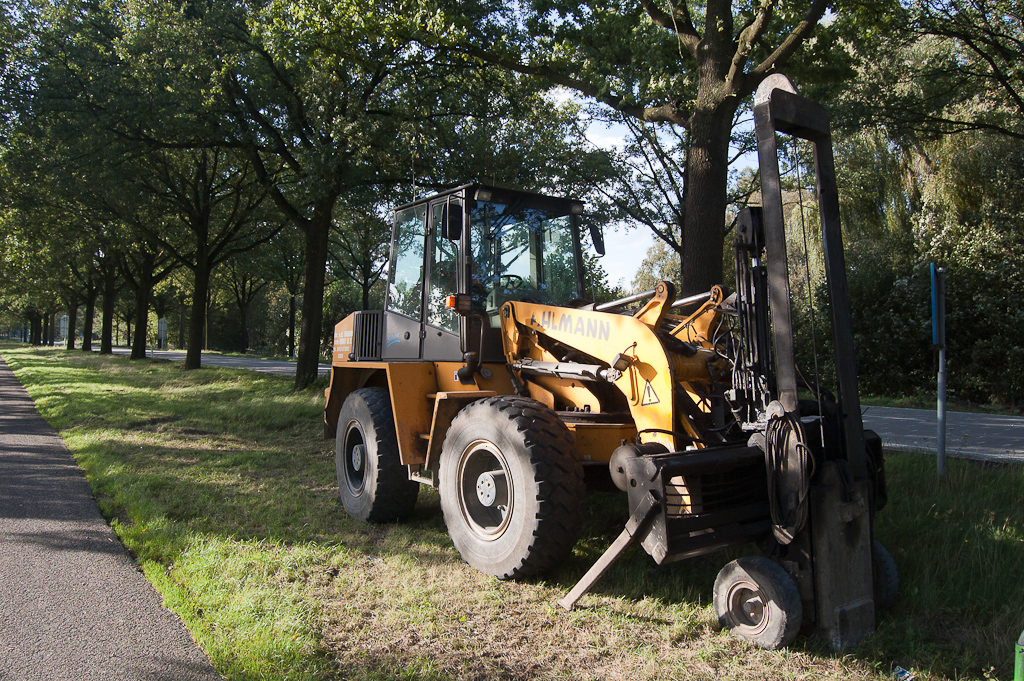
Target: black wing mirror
(451, 221)
(597, 237)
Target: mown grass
(219, 484)
(923, 401)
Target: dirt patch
(456, 623)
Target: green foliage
(956, 201)
(659, 264)
(690, 66)
(891, 308)
(943, 67)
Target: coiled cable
(780, 429)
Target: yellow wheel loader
(492, 376)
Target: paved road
(971, 436)
(73, 604)
(266, 366)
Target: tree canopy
(238, 162)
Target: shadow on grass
(959, 544)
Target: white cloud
(607, 137)
(560, 95)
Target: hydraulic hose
(780, 428)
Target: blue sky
(625, 249)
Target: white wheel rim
(488, 522)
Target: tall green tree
(693, 65)
(360, 250)
(287, 264)
(947, 66)
(216, 201)
(245, 277)
(331, 100)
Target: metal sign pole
(939, 340)
(1018, 659)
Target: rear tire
(886, 576)
(758, 601)
(511, 491)
(373, 484)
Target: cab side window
(405, 284)
(444, 271)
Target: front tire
(511, 491)
(758, 601)
(373, 484)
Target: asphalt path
(73, 604)
(266, 366)
(971, 436)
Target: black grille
(368, 335)
(709, 499)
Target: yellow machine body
(426, 396)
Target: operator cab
(495, 245)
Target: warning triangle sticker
(650, 397)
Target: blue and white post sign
(939, 341)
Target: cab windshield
(521, 252)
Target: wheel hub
(486, 497)
(358, 457)
(748, 607)
(492, 488)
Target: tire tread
(886, 576)
(395, 495)
(560, 477)
(773, 579)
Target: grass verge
(928, 402)
(218, 483)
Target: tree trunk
(90, 314)
(243, 334)
(306, 365)
(200, 291)
(141, 324)
(209, 318)
(73, 302)
(707, 179)
(197, 318)
(142, 297)
(107, 331)
(35, 321)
